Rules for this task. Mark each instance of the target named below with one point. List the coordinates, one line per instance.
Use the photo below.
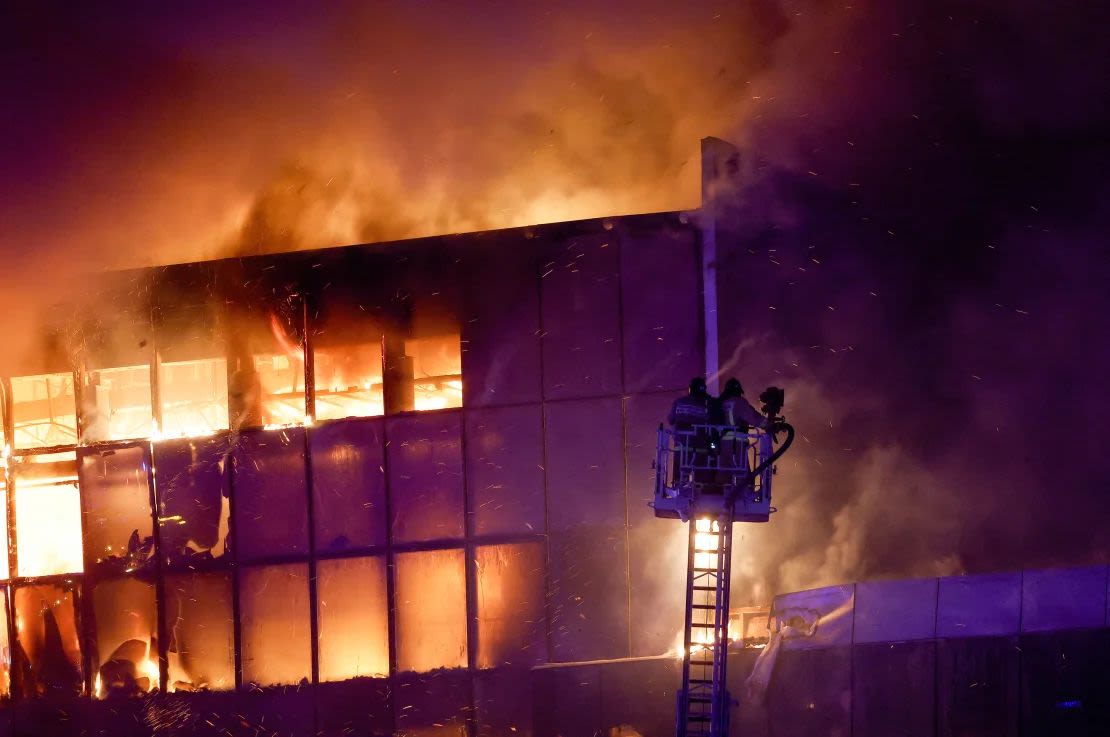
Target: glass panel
(348, 380)
(274, 624)
(118, 526)
(581, 310)
(436, 371)
(510, 605)
(271, 501)
(125, 659)
(348, 485)
(431, 610)
(354, 627)
(425, 477)
(43, 410)
(193, 513)
(47, 649)
(48, 515)
(192, 374)
(504, 465)
(200, 629)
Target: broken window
(119, 531)
(271, 498)
(265, 351)
(348, 380)
(510, 604)
(436, 371)
(274, 624)
(431, 610)
(347, 360)
(192, 373)
(125, 655)
(200, 632)
(193, 506)
(48, 648)
(348, 485)
(352, 615)
(44, 413)
(116, 401)
(47, 515)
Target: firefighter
(736, 411)
(692, 447)
(696, 408)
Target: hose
(782, 448)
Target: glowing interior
(349, 381)
(194, 397)
(47, 500)
(116, 404)
(352, 612)
(437, 371)
(44, 413)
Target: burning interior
(260, 474)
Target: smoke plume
(918, 252)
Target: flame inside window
(49, 644)
(349, 381)
(437, 371)
(48, 515)
(44, 413)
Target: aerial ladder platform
(712, 476)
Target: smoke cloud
(918, 249)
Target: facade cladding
(353, 491)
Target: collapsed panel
(115, 490)
(125, 633)
(47, 655)
(194, 510)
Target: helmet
(697, 385)
(733, 388)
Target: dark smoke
(918, 253)
(920, 256)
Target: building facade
(351, 491)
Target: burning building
(359, 490)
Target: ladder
(704, 702)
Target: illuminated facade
(347, 491)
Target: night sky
(919, 244)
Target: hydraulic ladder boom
(704, 703)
